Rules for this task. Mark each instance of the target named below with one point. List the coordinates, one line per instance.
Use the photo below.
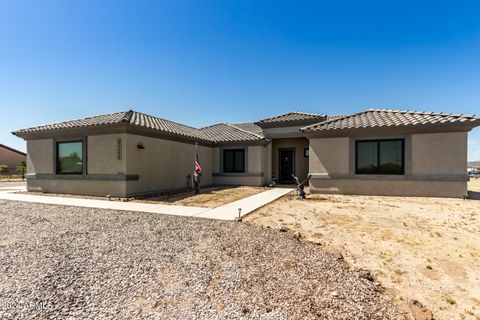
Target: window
(306, 152)
(234, 160)
(380, 157)
(70, 157)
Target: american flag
(197, 161)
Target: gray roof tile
(223, 132)
(112, 118)
(386, 118)
(292, 117)
(215, 133)
(249, 126)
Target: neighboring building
(11, 157)
(380, 152)
(474, 165)
(473, 168)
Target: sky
(204, 62)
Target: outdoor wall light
(140, 146)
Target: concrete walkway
(225, 212)
(229, 211)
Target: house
(376, 151)
(11, 157)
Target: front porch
(289, 156)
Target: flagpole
(195, 156)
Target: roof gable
(213, 134)
(291, 119)
(224, 132)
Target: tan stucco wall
(11, 158)
(442, 153)
(163, 164)
(435, 164)
(102, 154)
(268, 164)
(390, 187)
(256, 157)
(84, 187)
(40, 156)
(301, 163)
(255, 166)
(283, 132)
(329, 155)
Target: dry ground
(426, 249)
(60, 262)
(211, 197)
(208, 198)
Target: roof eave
(288, 123)
(392, 130)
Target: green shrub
(3, 168)
(21, 168)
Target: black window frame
(57, 162)
(378, 172)
(233, 166)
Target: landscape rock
(86, 263)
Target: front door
(286, 165)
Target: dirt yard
(208, 198)
(424, 249)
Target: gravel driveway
(60, 262)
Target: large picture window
(380, 156)
(234, 160)
(70, 157)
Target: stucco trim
(414, 177)
(98, 177)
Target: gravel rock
(71, 262)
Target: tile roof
(291, 117)
(215, 133)
(125, 117)
(155, 123)
(223, 132)
(389, 118)
(112, 118)
(250, 126)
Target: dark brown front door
(286, 165)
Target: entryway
(286, 165)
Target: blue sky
(202, 62)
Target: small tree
(21, 168)
(3, 168)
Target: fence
(12, 173)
